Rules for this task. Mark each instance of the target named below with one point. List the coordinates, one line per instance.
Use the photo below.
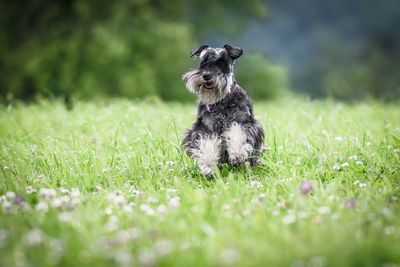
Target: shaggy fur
(225, 130)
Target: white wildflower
(47, 194)
(137, 194)
(159, 165)
(170, 191)
(226, 207)
(229, 256)
(30, 190)
(73, 204)
(96, 189)
(10, 195)
(42, 207)
(65, 191)
(75, 192)
(123, 258)
(147, 257)
(108, 210)
(119, 201)
(336, 167)
(246, 212)
(7, 207)
(362, 185)
(146, 209)
(56, 203)
(152, 200)
(112, 224)
(255, 201)
(134, 233)
(353, 158)
(396, 150)
(162, 210)
(333, 198)
(359, 163)
(163, 247)
(65, 217)
(261, 196)
(279, 162)
(302, 215)
(174, 203)
(127, 209)
(276, 212)
(339, 138)
(256, 184)
(324, 210)
(34, 238)
(345, 165)
(389, 230)
(170, 164)
(369, 144)
(289, 219)
(64, 200)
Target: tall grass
(120, 191)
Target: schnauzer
(225, 130)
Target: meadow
(107, 183)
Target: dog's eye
(222, 65)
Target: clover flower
(174, 203)
(324, 210)
(289, 219)
(30, 190)
(147, 257)
(229, 256)
(256, 184)
(162, 210)
(146, 209)
(306, 187)
(10, 195)
(42, 206)
(47, 194)
(75, 192)
(163, 247)
(34, 238)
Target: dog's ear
(233, 52)
(196, 52)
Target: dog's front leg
(243, 143)
(206, 149)
(237, 146)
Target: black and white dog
(225, 130)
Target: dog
(225, 130)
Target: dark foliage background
(140, 48)
(133, 48)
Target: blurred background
(347, 50)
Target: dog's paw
(207, 171)
(255, 162)
(236, 161)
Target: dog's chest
(219, 118)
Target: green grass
(351, 218)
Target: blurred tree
(131, 48)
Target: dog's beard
(195, 84)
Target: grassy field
(107, 184)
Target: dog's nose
(207, 77)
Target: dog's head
(213, 80)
